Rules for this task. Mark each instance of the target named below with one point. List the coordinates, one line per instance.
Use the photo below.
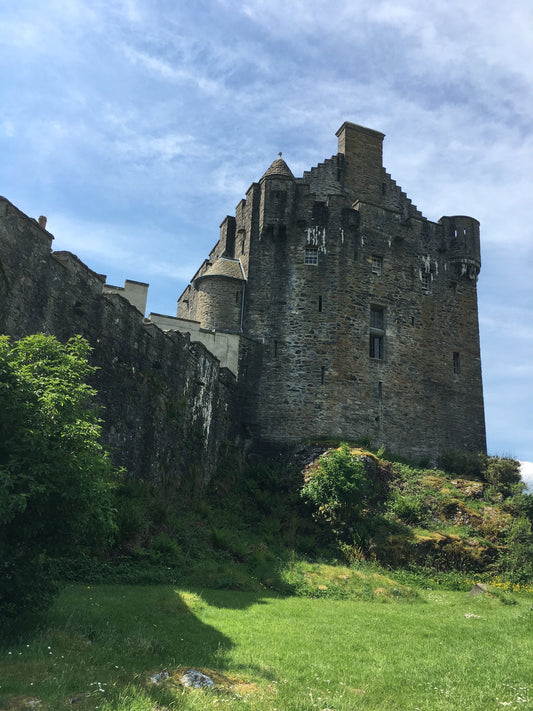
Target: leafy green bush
(502, 473)
(518, 557)
(56, 481)
(339, 489)
(407, 507)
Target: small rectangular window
(275, 349)
(377, 332)
(311, 255)
(376, 346)
(377, 265)
(425, 281)
(376, 317)
(320, 303)
(456, 363)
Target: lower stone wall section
(168, 406)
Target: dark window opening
(456, 363)
(311, 255)
(412, 320)
(280, 200)
(377, 265)
(425, 282)
(377, 332)
(376, 346)
(320, 303)
(376, 317)
(275, 349)
(282, 231)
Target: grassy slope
(439, 650)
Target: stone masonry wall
(168, 406)
(337, 259)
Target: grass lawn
(100, 645)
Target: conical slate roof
(224, 267)
(279, 169)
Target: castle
(335, 309)
(363, 312)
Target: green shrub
(339, 489)
(407, 507)
(518, 557)
(56, 481)
(502, 472)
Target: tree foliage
(339, 490)
(56, 480)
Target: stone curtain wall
(168, 405)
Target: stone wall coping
(360, 129)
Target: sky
(136, 126)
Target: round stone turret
(277, 198)
(461, 241)
(220, 293)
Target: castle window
(377, 332)
(425, 281)
(320, 303)
(275, 349)
(456, 363)
(311, 255)
(376, 318)
(377, 265)
(376, 346)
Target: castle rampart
(168, 405)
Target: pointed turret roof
(279, 169)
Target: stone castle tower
(351, 314)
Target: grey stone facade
(168, 406)
(358, 315)
(338, 308)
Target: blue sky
(137, 125)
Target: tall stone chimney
(363, 155)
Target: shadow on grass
(121, 636)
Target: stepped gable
(325, 179)
(396, 199)
(278, 169)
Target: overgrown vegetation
(56, 481)
(337, 525)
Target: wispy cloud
(138, 125)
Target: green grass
(435, 650)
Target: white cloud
(526, 472)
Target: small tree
(56, 481)
(339, 489)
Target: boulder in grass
(478, 589)
(197, 680)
